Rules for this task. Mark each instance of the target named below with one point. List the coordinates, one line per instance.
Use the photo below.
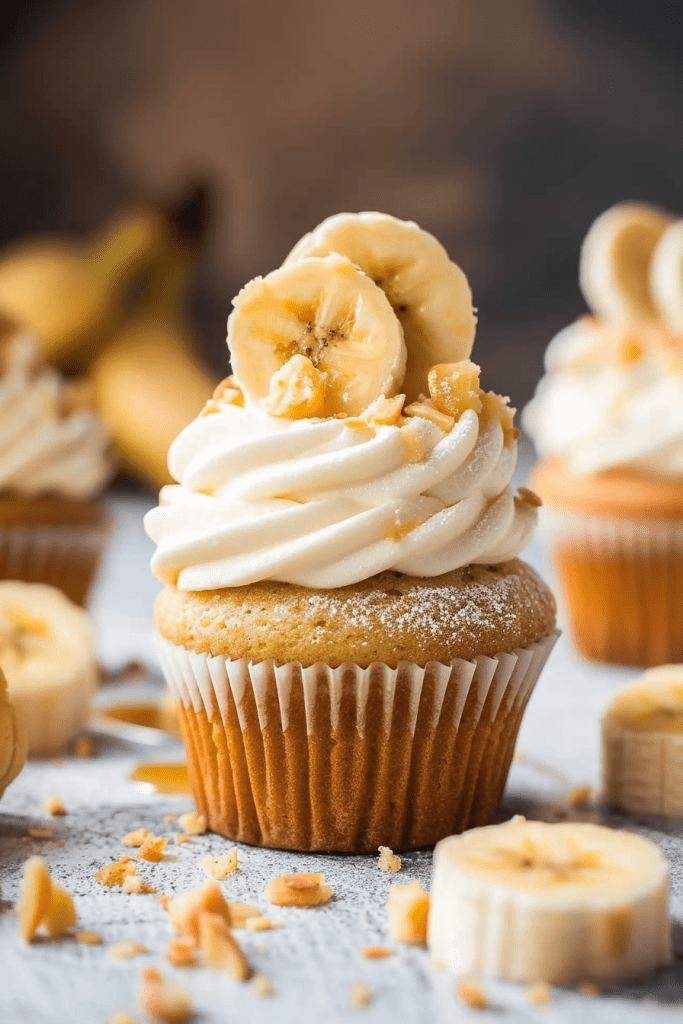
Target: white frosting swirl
(46, 448)
(324, 504)
(610, 398)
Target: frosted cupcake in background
(345, 624)
(607, 422)
(55, 459)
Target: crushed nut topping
(192, 824)
(359, 996)
(427, 411)
(136, 837)
(472, 995)
(299, 890)
(454, 387)
(220, 949)
(388, 861)
(296, 390)
(54, 806)
(125, 950)
(408, 907)
(223, 865)
(153, 848)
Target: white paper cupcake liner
(349, 758)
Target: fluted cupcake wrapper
(349, 758)
(622, 583)
(67, 557)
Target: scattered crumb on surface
(518, 756)
(240, 913)
(60, 844)
(153, 849)
(43, 904)
(125, 950)
(220, 948)
(222, 866)
(181, 838)
(260, 986)
(120, 1017)
(114, 874)
(89, 938)
(192, 824)
(151, 974)
(185, 909)
(539, 994)
(136, 837)
(588, 988)
(164, 900)
(472, 994)
(165, 1002)
(408, 908)
(298, 890)
(134, 885)
(359, 996)
(169, 819)
(84, 747)
(39, 832)
(180, 952)
(54, 805)
(260, 924)
(388, 861)
(579, 796)
(376, 952)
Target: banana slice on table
(12, 739)
(429, 293)
(328, 315)
(642, 744)
(529, 901)
(47, 655)
(614, 269)
(666, 275)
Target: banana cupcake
(350, 637)
(55, 459)
(607, 421)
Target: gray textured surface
(315, 958)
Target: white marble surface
(315, 958)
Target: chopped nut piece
(223, 865)
(408, 907)
(54, 806)
(426, 411)
(165, 1002)
(240, 913)
(89, 938)
(579, 796)
(359, 996)
(114, 874)
(185, 910)
(376, 952)
(37, 832)
(125, 950)
(260, 986)
(302, 890)
(36, 889)
(260, 924)
(169, 819)
(220, 949)
(296, 390)
(530, 497)
(454, 387)
(60, 915)
(388, 861)
(192, 824)
(84, 747)
(135, 885)
(539, 994)
(472, 995)
(497, 407)
(588, 988)
(153, 848)
(384, 412)
(228, 392)
(181, 838)
(136, 837)
(180, 952)
(151, 974)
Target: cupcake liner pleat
(349, 758)
(622, 584)
(66, 557)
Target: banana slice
(329, 312)
(528, 901)
(429, 293)
(666, 275)
(47, 655)
(615, 261)
(642, 744)
(12, 739)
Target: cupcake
(607, 422)
(12, 739)
(345, 625)
(54, 460)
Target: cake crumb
(376, 952)
(192, 824)
(136, 837)
(153, 849)
(120, 1017)
(408, 908)
(88, 938)
(260, 986)
(164, 901)
(359, 996)
(223, 865)
(180, 952)
(136, 886)
(84, 747)
(261, 924)
(114, 874)
(169, 819)
(388, 861)
(185, 909)
(181, 838)
(39, 832)
(125, 950)
(298, 890)
(539, 994)
(220, 949)
(579, 796)
(43, 904)
(472, 995)
(588, 988)
(165, 1002)
(240, 913)
(151, 974)
(54, 805)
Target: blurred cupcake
(346, 627)
(607, 421)
(55, 459)
(12, 739)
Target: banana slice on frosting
(666, 275)
(614, 269)
(429, 293)
(326, 334)
(47, 655)
(528, 901)
(642, 744)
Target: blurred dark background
(503, 126)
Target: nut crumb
(298, 890)
(136, 837)
(114, 874)
(408, 908)
(588, 988)
(165, 1002)
(376, 952)
(388, 861)
(84, 747)
(54, 806)
(223, 865)
(220, 949)
(539, 994)
(153, 849)
(472, 995)
(359, 996)
(181, 838)
(89, 938)
(38, 832)
(125, 950)
(180, 952)
(192, 824)
(43, 904)
(151, 974)
(260, 986)
(580, 796)
(185, 909)
(260, 924)
(136, 886)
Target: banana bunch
(642, 744)
(528, 901)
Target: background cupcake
(607, 421)
(55, 459)
(349, 634)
